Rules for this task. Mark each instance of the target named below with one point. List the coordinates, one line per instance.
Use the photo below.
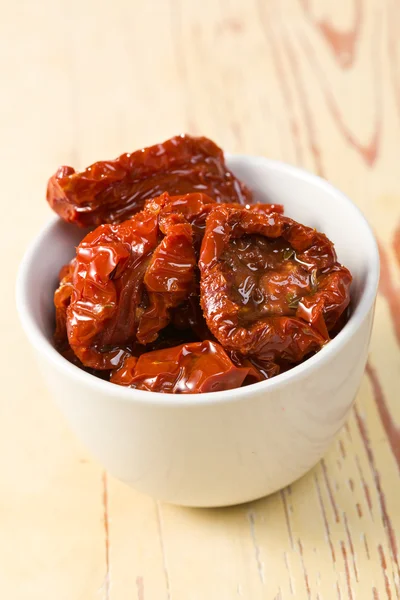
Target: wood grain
(311, 82)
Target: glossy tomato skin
(279, 301)
(108, 289)
(186, 369)
(114, 190)
(127, 278)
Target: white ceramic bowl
(224, 447)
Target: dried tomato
(112, 191)
(125, 280)
(108, 289)
(185, 369)
(270, 287)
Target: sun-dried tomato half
(108, 288)
(270, 287)
(126, 278)
(186, 369)
(112, 191)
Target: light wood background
(311, 82)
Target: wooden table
(297, 80)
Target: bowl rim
(44, 346)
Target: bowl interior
(306, 198)
(55, 249)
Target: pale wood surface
(312, 82)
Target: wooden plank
(137, 558)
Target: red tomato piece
(270, 287)
(114, 190)
(186, 369)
